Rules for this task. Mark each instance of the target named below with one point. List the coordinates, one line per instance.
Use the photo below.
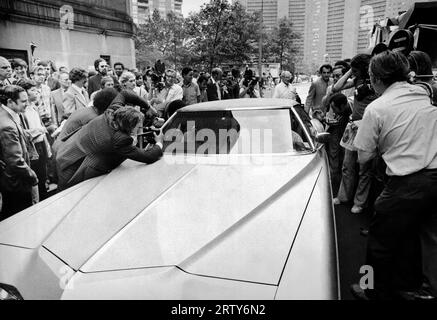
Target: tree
(281, 44)
(221, 32)
(161, 39)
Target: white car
(244, 216)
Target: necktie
(218, 91)
(24, 122)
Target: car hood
(233, 221)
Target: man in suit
(318, 89)
(76, 97)
(94, 82)
(57, 99)
(102, 145)
(16, 176)
(213, 88)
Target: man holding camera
(249, 86)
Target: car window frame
(308, 135)
(291, 109)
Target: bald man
(5, 72)
(284, 90)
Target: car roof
(235, 104)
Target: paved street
(351, 244)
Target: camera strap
(428, 89)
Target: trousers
(355, 175)
(335, 154)
(402, 241)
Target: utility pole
(260, 45)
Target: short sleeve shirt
(190, 93)
(283, 91)
(402, 126)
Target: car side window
(301, 141)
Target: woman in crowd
(19, 69)
(147, 79)
(202, 82)
(76, 96)
(336, 123)
(106, 82)
(140, 88)
(357, 77)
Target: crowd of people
(60, 126)
(381, 113)
(48, 107)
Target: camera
(157, 81)
(148, 135)
(364, 90)
(250, 82)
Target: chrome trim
(291, 107)
(305, 129)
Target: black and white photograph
(219, 156)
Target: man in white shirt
(5, 72)
(171, 92)
(37, 133)
(284, 90)
(401, 126)
(43, 102)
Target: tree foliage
(220, 33)
(160, 38)
(281, 45)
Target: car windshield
(235, 132)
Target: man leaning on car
(401, 125)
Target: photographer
(421, 73)
(102, 145)
(249, 87)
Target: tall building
(296, 13)
(70, 33)
(315, 32)
(371, 11)
(346, 28)
(330, 29)
(143, 9)
(335, 27)
(269, 9)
